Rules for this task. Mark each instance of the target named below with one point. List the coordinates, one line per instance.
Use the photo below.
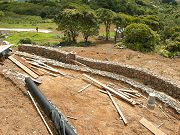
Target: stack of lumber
(34, 67)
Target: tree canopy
(106, 16)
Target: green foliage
(37, 38)
(105, 16)
(151, 20)
(170, 2)
(12, 18)
(171, 49)
(89, 24)
(25, 41)
(69, 22)
(168, 32)
(74, 21)
(45, 10)
(140, 37)
(1, 14)
(122, 20)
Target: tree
(105, 16)
(140, 37)
(89, 24)
(69, 22)
(122, 20)
(151, 20)
(1, 13)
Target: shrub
(1, 13)
(25, 41)
(140, 37)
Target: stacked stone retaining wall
(149, 78)
(48, 52)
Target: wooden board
(117, 108)
(4, 47)
(28, 65)
(151, 127)
(27, 70)
(111, 90)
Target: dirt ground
(90, 112)
(17, 114)
(94, 112)
(169, 68)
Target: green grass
(112, 34)
(38, 38)
(50, 26)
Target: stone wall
(145, 76)
(148, 78)
(48, 52)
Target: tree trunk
(86, 38)
(73, 36)
(107, 30)
(115, 36)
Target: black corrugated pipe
(59, 121)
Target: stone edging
(146, 77)
(168, 101)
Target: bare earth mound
(17, 115)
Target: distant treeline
(49, 8)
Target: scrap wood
(84, 88)
(70, 117)
(45, 72)
(45, 65)
(117, 108)
(47, 68)
(20, 59)
(131, 95)
(151, 127)
(123, 90)
(39, 112)
(111, 90)
(26, 69)
(160, 125)
(160, 107)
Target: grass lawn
(51, 26)
(38, 38)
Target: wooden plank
(111, 90)
(47, 68)
(84, 88)
(45, 71)
(151, 127)
(27, 70)
(123, 90)
(39, 112)
(28, 65)
(117, 108)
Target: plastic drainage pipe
(58, 120)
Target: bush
(140, 37)
(171, 49)
(1, 13)
(25, 41)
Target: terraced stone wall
(148, 78)
(48, 52)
